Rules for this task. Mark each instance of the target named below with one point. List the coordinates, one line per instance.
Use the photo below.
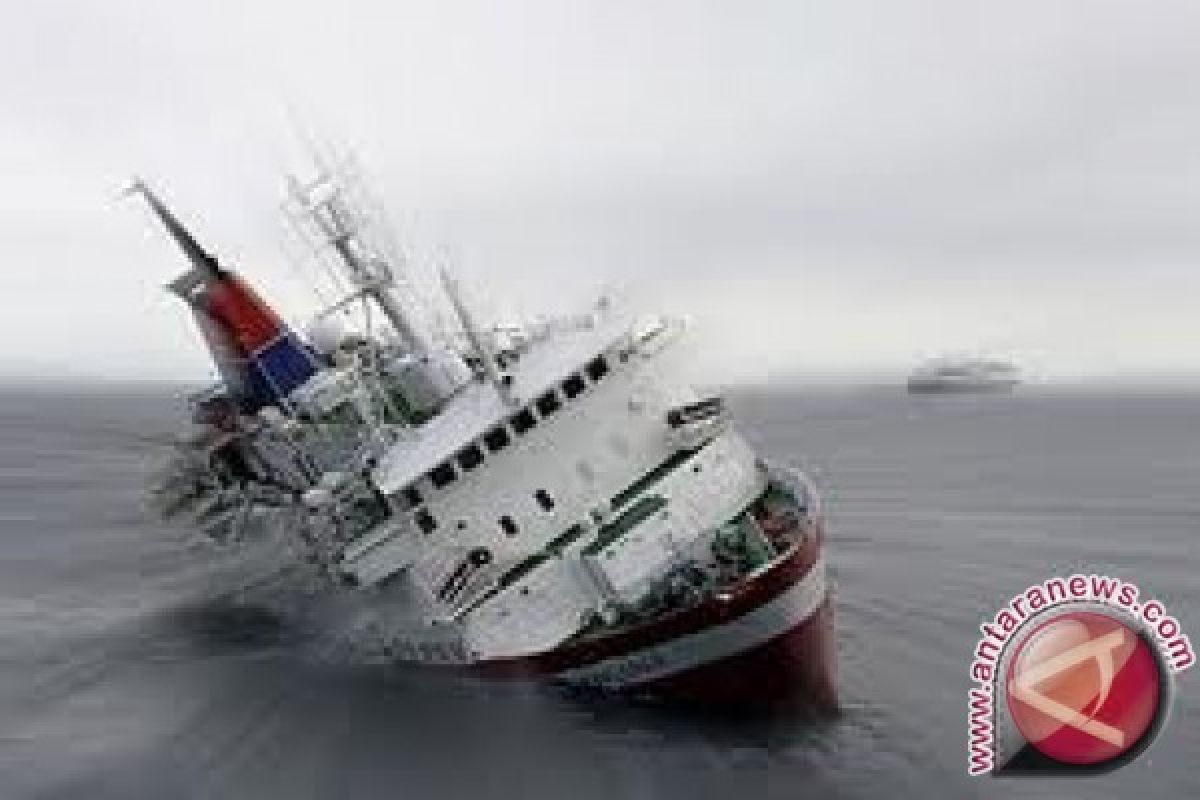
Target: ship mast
(485, 353)
(323, 207)
(260, 359)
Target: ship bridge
(534, 378)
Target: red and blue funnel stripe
(269, 360)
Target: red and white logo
(1084, 688)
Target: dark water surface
(126, 673)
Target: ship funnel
(260, 359)
(205, 265)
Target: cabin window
(496, 438)
(411, 497)
(597, 368)
(548, 403)
(425, 521)
(523, 420)
(573, 386)
(442, 475)
(507, 524)
(544, 499)
(470, 457)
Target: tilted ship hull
(768, 642)
(764, 640)
(549, 505)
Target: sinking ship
(546, 503)
(963, 375)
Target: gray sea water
(128, 671)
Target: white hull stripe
(754, 628)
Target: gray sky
(822, 186)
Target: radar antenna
(334, 214)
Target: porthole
(425, 521)
(573, 386)
(548, 403)
(442, 475)
(496, 438)
(523, 421)
(470, 457)
(597, 368)
(411, 497)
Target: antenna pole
(339, 225)
(482, 348)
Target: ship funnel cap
(204, 263)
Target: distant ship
(555, 506)
(946, 375)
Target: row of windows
(498, 438)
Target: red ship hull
(796, 668)
(766, 642)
